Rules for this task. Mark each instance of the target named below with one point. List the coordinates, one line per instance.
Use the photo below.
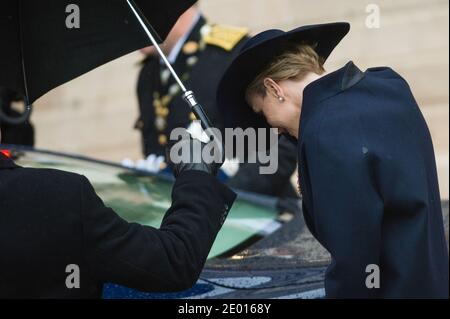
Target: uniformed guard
(61, 241)
(366, 160)
(200, 52)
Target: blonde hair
(294, 64)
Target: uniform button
(174, 89)
(190, 48)
(162, 140)
(160, 123)
(192, 61)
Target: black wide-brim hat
(256, 55)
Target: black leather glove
(181, 161)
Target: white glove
(197, 132)
(152, 164)
(230, 167)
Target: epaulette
(225, 37)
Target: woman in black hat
(366, 161)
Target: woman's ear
(273, 88)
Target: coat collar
(6, 162)
(329, 86)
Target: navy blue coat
(370, 187)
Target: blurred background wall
(94, 115)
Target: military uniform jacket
(50, 219)
(370, 188)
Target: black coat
(50, 219)
(370, 187)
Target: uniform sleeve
(347, 207)
(166, 259)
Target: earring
(281, 99)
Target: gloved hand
(186, 155)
